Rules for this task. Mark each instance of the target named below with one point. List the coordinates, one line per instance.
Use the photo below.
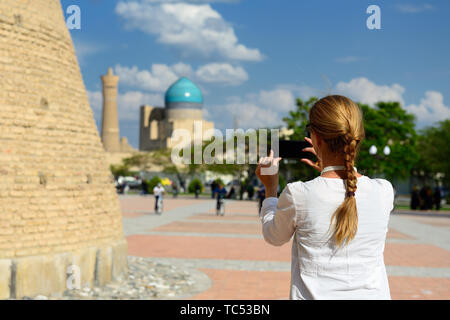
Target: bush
(120, 170)
(219, 181)
(153, 182)
(193, 184)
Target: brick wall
(56, 193)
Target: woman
(339, 220)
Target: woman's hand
(318, 164)
(267, 172)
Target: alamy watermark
(231, 149)
(73, 277)
(73, 20)
(374, 20)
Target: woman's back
(321, 270)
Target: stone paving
(230, 252)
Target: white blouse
(320, 270)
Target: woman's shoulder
(382, 183)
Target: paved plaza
(238, 264)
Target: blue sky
(252, 58)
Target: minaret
(110, 121)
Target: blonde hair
(339, 122)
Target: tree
(388, 124)
(120, 170)
(434, 152)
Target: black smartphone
(291, 149)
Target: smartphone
(291, 149)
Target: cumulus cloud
(250, 115)
(430, 109)
(128, 103)
(263, 109)
(365, 91)
(85, 49)
(278, 99)
(195, 29)
(221, 73)
(161, 76)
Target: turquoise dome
(183, 94)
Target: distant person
(198, 189)
(213, 189)
(158, 192)
(175, 189)
(437, 198)
(144, 185)
(221, 194)
(261, 197)
(415, 199)
(422, 198)
(232, 193)
(429, 199)
(250, 191)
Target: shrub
(120, 170)
(153, 182)
(193, 184)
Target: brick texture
(56, 192)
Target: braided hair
(338, 121)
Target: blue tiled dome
(183, 94)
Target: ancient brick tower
(58, 205)
(110, 120)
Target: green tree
(120, 170)
(388, 124)
(195, 183)
(153, 182)
(434, 152)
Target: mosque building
(183, 110)
(183, 107)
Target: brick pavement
(232, 253)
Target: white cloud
(195, 29)
(413, 8)
(365, 91)
(430, 110)
(128, 103)
(278, 99)
(263, 109)
(221, 73)
(250, 115)
(161, 76)
(85, 49)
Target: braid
(346, 216)
(349, 157)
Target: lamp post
(373, 152)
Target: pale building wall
(58, 205)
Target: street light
(373, 151)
